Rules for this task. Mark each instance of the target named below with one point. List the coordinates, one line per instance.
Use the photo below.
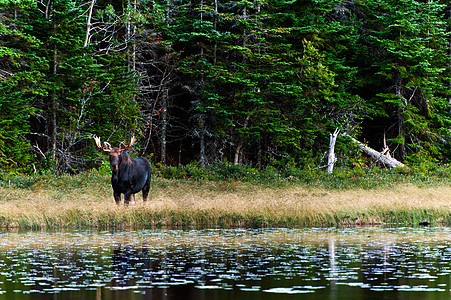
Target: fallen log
(379, 157)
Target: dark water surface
(308, 263)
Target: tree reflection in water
(331, 263)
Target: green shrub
(18, 181)
(226, 171)
(169, 172)
(104, 168)
(193, 170)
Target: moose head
(115, 153)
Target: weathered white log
(377, 156)
(331, 157)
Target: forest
(247, 82)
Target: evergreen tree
(412, 60)
(21, 81)
(244, 81)
(77, 92)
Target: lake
(308, 263)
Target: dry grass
(190, 203)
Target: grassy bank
(349, 197)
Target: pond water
(307, 263)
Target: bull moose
(129, 176)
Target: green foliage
(414, 56)
(104, 169)
(57, 92)
(17, 93)
(248, 82)
(271, 176)
(287, 173)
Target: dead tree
(379, 157)
(331, 157)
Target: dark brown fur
(129, 176)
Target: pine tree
(412, 60)
(21, 80)
(77, 92)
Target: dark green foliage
(413, 65)
(259, 83)
(20, 79)
(271, 176)
(280, 175)
(57, 92)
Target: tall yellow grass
(192, 203)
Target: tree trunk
(401, 111)
(377, 156)
(54, 101)
(89, 24)
(203, 157)
(130, 35)
(215, 20)
(164, 125)
(331, 157)
(237, 159)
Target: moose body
(129, 176)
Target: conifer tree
(77, 92)
(412, 59)
(21, 80)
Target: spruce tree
(412, 61)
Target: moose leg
(127, 197)
(146, 190)
(117, 197)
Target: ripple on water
(277, 261)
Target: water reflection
(331, 263)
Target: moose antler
(132, 142)
(105, 147)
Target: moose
(129, 176)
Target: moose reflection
(129, 176)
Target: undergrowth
(227, 195)
(342, 178)
(270, 176)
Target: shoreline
(228, 204)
